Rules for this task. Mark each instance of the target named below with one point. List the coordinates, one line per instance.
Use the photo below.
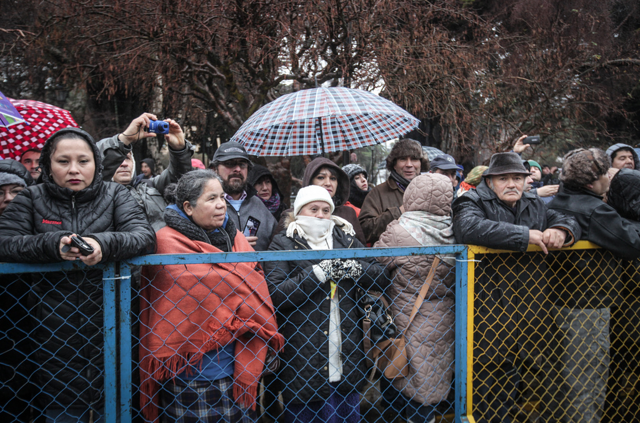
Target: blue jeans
(73, 415)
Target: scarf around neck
(430, 229)
(318, 231)
(273, 203)
(401, 181)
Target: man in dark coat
(586, 310)
(499, 214)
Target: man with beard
(500, 214)
(232, 163)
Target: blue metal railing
(117, 313)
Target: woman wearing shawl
(426, 221)
(322, 365)
(204, 327)
(267, 190)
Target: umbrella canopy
(8, 114)
(320, 120)
(43, 120)
(432, 152)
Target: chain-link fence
(169, 335)
(555, 337)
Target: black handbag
(377, 322)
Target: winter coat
(616, 147)
(431, 335)
(67, 306)
(16, 168)
(481, 218)
(252, 206)
(381, 207)
(624, 194)
(149, 196)
(602, 225)
(255, 174)
(339, 199)
(302, 305)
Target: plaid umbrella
(44, 119)
(432, 152)
(320, 120)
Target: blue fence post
(125, 343)
(110, 343)
(461, 337)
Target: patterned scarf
(430, 229)
(272, 203)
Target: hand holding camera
(74, 247)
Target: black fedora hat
(503, 163)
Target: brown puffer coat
(430, 338)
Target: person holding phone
(39, 226)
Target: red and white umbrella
(323, 120)
(43, 120)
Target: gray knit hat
(353, 169)
(10, 179)
(581, 167)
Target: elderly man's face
(508, 187)
(622, 159)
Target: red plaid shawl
(188, 310)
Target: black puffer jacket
(303, 305)
(481, 218)
(67, 307)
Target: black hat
(504, 163)
(229, 151)
(443, 162)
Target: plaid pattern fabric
(334, 119)
(44, 120)
(202, 402)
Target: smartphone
(534, 139)
(251, 227)
(80, 244)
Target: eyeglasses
(233, 164)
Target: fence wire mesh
(555, 337)
(52, 346)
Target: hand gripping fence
(500, 336)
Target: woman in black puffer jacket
(66, 307)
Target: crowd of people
(206, 330)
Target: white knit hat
(310, 194)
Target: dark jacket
(340, 197)
(148, 195)
(481, 218)
(16, 168)
(600, 223)
(303, 304)
(624, 194)
(381, 207)
(255, 174)
(252, 206)
(67, 307)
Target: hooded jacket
(340, 197)
(149, 196)
(615, 147)
(431, 334)
(302, 305)
(624, 194)
(67, 307)
(252, 206)
(255, 174)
